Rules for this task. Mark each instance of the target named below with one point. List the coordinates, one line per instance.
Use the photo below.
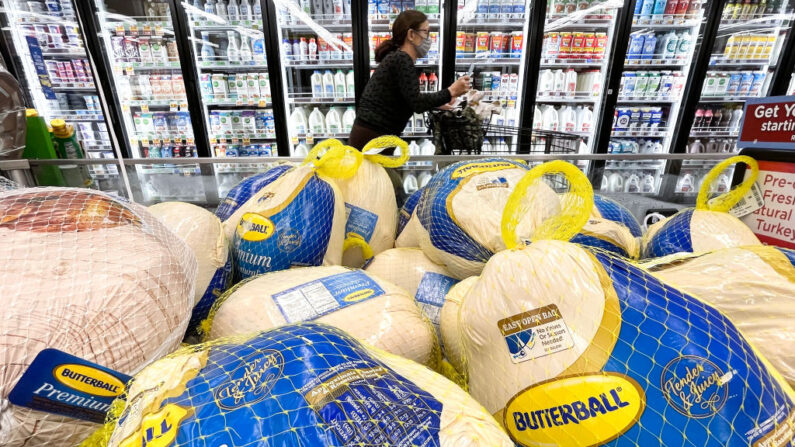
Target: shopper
(393, 95)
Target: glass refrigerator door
(489, 45)
(575, 55)
(317, 69)
(229, 49)
(746, 52)
(380, 16)
(139, 42)
(656, 68)
(58, 76)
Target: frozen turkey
(370, 203)
(204, 234)
(461, 208)
(407, 222)
(451, 333)
(574, 346)
(756, 290)
(93, 276)
(247, 187)
(611, 227)
(708, 226)
(369, 308)
(303, 384)
(411, 270)
(297, 220)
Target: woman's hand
(449, 106)
(461, 86)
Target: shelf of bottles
(746, 51)
(142, 52)
(63, 88)
(489, 47)
(656, 68)
(228, 44)
(574, 58)
(317, 70)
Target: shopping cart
(462, 132)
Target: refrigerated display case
(662, 45)
(747, 50)
(380, 16)
(317, 70)
(55, 71)
(139, 42)
(228, 47)
(575, 57)
(490, 46)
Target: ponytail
(406, 20)
(384, 49)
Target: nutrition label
(317, 298)
(535, 333)
(430, 295)
(360, 221)
(369, 405)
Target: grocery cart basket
(462, 132)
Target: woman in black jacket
(393, 95)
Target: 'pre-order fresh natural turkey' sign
(769, 123)
(774, 223)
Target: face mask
(423, 47)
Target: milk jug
(298, 121)
(317, 84)
(348, 118)
(567, 119)
(328, 84)
(538, 118)
(333, 121)
(339, 84)
(550, 119)
(350, 88)
(317, 122)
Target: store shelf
(641, 133)
(588, 24)
(572, 63)
(698, 132)
(148, 65)
(86, 115)
(313, 100)
(141, 24)
(490, 23)
(227, 25)
(154, 102)
(714, 62)
(321, 136)
(67, 54)
(238, 103)
(655, 64)
(383, 23)
(719, 99)
(421, 63)
(214, 139)
(490, 62)
(760, 25)
(74, 86)
(665, 26)
(566, 99)
(314, 65)
(338, 26)
(225, 66)
(160, 136)
(634, 100)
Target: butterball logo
(582, 410)
(289, 240)
(694, 386)
(255, 227)
(252, 381)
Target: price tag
(125, 108)
(144, 142)
(239, 102)
(173, 106)
(155, 141)
(189, 141)
(183, 106)
(133, 142)
(223, 140)
(134, 30)
(158, 30)
(262, 103)
(129, 69)
(144, 107)
(246, 141)
(294, 141)
(120, 30)
(147, 31)
(235, 140)
(310, 140)
(212, 141)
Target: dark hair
(406, 20)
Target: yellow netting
(386, 142)
(576, 204)
(354, 240)
(727, 200)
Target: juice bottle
(67, 148)
(38, 146)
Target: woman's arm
(406, 75)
